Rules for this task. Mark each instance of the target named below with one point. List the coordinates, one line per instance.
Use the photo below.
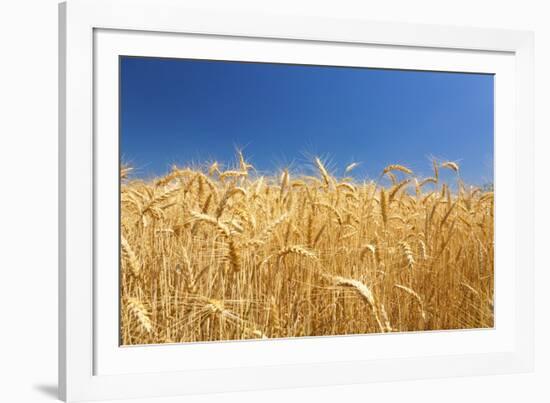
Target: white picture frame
(91, 364)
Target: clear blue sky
(191, 111)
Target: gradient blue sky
(190, 111)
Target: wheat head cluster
(212, 254)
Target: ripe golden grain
(137, 309)
(226, 254)
(351, 167)
(396, 167)
(450, 165)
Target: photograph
(264, 200)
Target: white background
(28, 198)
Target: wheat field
(211, 254)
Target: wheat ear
(138, 311)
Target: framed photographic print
(256, 201)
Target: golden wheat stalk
(139, 312)
(365, 293)
(417, 297)
(323, 171)
(296, 250)
(130, 257)
(351, 167)
(396, 167)
(407, 254)
(450, 165)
